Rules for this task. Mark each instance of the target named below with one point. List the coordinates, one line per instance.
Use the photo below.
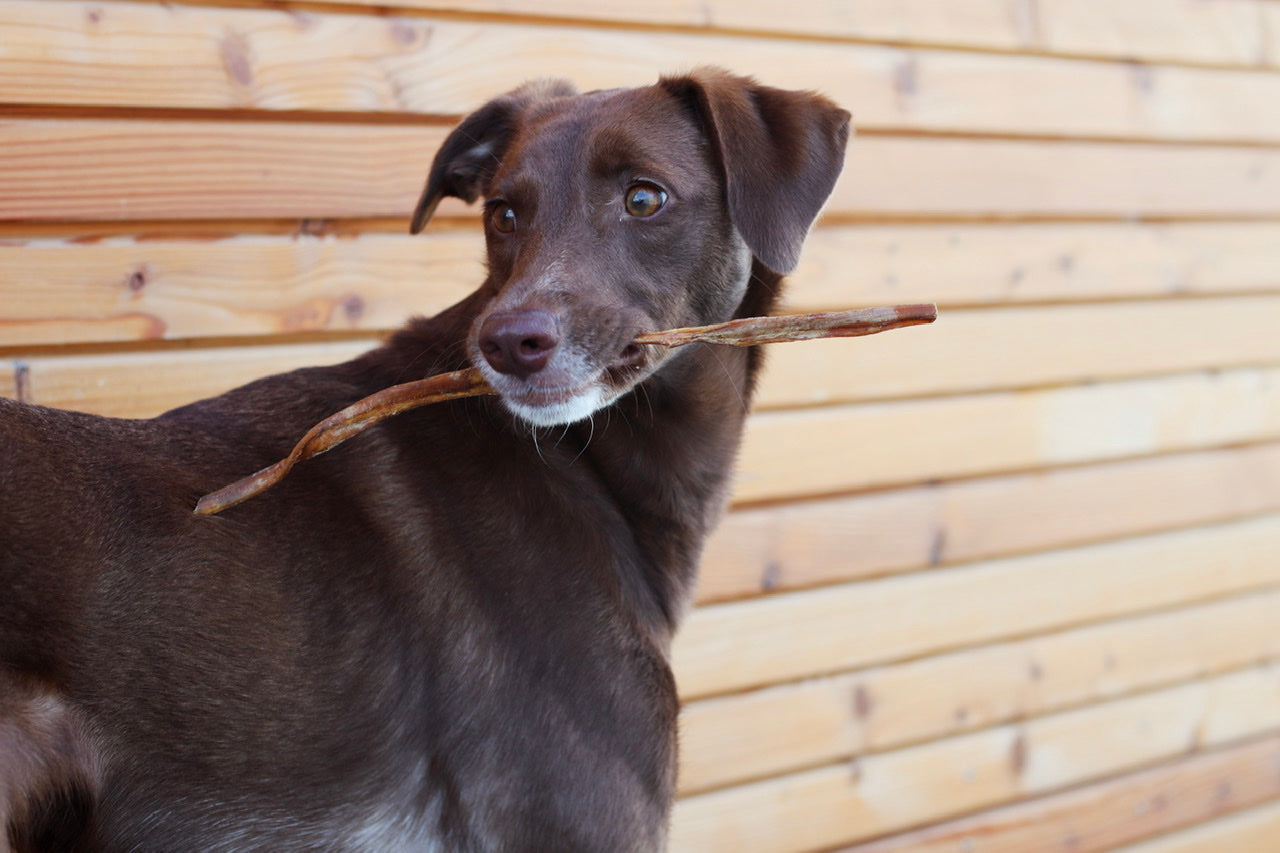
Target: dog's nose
(519, 343)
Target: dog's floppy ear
(780, 151)
(472, 152)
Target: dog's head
(615, 212)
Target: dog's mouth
(573, 386)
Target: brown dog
(451, 633)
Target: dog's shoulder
(45, 445)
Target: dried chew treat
(338, 427)
(783, 328)
(750, 331)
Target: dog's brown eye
(645, 199)
(503, 218)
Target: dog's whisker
(591, 431)
(724, 368)
(648, 401)
(533, 430)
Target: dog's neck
(664, 451)
(669, 458)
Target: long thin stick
(750, 331)
(469, 382)
(338, 427)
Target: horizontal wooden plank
(54, 169)
(1253, 831)
(1269, 25)
(893, 791)
(171, 55)
(88, 289)
(827, 451)
(770, 732)
(731, 647)
(1228, 32)
(968, 351)
(57, 169)
(120, 289)
(964, 177)
(1013, 263)
(130, 55)
(789, 546)
(1237, 31)
(1100, 816)
(9, 381)
(132, 385)
(793, 454)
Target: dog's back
(451, 633)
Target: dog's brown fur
(451, 633)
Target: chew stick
(469, 382)
(750, 331)
(338, 427)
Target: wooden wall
(1007, 583)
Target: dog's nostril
(519, 343)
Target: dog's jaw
(572, 390)
(578, 406)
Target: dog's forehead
(646, 124)
(602, 106)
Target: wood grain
(996, 263)
(1100, 816)
(969, 351)
(58, 169)
(996, 178)
(124, 290)
(1226, 32)
(1180, 30)
(781, 729)
(741, 645)
(146, 384)
(891, 791)
(54, 169)
(790, 546)
(791, 454)
(1253, 831)
(139, 55)
(91, 289)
